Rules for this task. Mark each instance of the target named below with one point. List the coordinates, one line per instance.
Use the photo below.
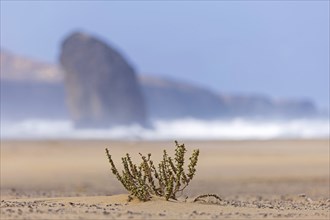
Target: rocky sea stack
(102, 88)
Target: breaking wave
(194, 129)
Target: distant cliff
(27, 93)
(101, 86)
(20, 68)
(167, 99)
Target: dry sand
(255, 179)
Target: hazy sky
(277, 48)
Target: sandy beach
(71, 179)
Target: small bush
(165, 180)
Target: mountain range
(34, 89)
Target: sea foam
(194, 129)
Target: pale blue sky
(277, 48)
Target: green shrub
(165, 180)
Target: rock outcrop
(102, 89)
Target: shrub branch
(171, 178)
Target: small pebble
(106, 213)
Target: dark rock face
(102, 89)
